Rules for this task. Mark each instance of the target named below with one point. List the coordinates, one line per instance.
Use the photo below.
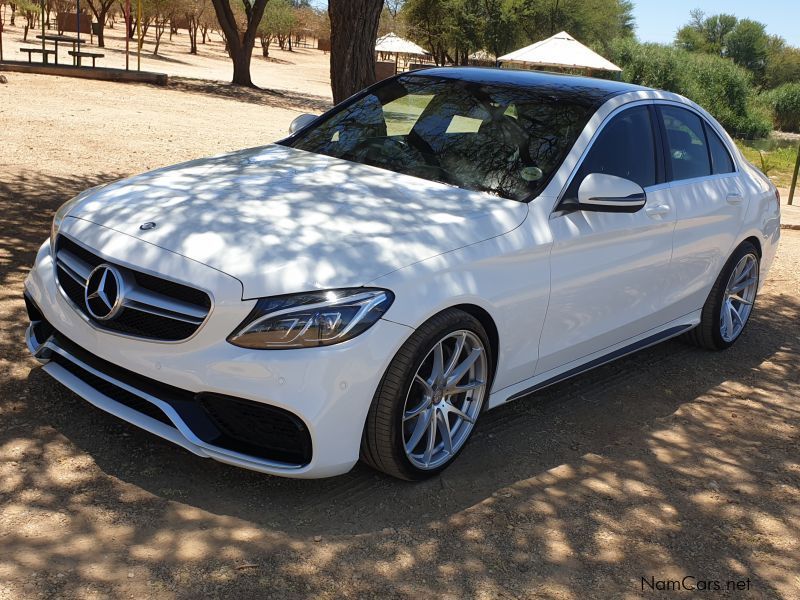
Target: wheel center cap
(437, 395)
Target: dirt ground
(674, 462)
(304, 70)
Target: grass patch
(777, 162)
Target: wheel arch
(753, 240)
(489, 325)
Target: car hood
(283, 220)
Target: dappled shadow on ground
(262, 96)
(668, 463)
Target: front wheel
(730, 301)
(430, 397)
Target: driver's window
(625, 147)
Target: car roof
(588, 87)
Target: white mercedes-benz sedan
(441, 243)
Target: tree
(354, 27)
(240, 36)
(783, 65)
(453, 29)
(194, 11)
(705, 34)
(100, 10)
(31, 12)
(163, 12)
(429, 24)
(746, 44)
(277, 22)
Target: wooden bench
(44, 53)
(77, 56)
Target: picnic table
(64, 39)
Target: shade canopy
(393, 43)
(561, 50)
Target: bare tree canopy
(354, 27)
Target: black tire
(382, 442)
(707, 334)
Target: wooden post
(139, 36)
(127, 34)
(794, 176)
(78, 27)
(44, 56)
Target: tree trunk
(354, 27)
(101, 20)
(193, 27)
(240, 44)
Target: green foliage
(777, 161)
(705, 34)
(783, 66)
(593, 22)
(718, 85)
(784, 103)
(453, 29)
(742, 40)
(278, 19)
(747, 45)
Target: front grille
(226, 422)
(153, 308)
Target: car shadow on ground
(671, 460)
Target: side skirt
(651, 340)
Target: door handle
(734, 198)
(658, 210)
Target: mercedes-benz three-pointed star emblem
(104, 292)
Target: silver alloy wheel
(740, 293)
(444, 399)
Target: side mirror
(608, 193)
(301, 121)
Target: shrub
(784, 103)
(717, 84)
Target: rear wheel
(730, 303)
(430, 397)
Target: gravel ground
(674, 462)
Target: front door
(609, 270)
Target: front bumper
(322, 394)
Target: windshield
(505, 140)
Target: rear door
(708, 196)
(609, 271)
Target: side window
(625, 147)
(686, 143)
(720, 157)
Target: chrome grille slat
(166, 305)
(155, 310)
(74, 266)
(146, 313)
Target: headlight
(311, 319)
(59, 217)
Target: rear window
(504, 140)
(721, 161)
(686, 142)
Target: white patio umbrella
(562, 50)
(391, 43)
